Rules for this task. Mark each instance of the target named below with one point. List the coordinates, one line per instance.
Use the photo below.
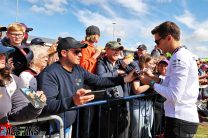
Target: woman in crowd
(13, 104)
(37, 64)
(142, 116)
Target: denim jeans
(141, 118)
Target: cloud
(135, 6)
(49, 7)
(164, 1)
(93, 2)
(200, 50)
(64, 34)
(199, 30)
(187, 18)
(121, 27)
(199, 35)
(127, 29)
(33, 1)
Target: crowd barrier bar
(99, 102)
(51, 117)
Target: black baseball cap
(37, 41)
(2, 28)
(142, 46)
(68, 43)
(92, 30)
(28, 29)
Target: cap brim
(3, 29)
(121, 48)
(29, 29)
(141, 48)
(4, 49)
(80, 45)
(163, 62)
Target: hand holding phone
(37, 99)
(98, 94)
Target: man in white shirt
(181, 85)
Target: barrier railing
(52, 117)
(88, 105)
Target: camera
(114, 92)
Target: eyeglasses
(76, 52)
(16, 35)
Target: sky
(130, 20)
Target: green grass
(202, 131)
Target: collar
(176, 50)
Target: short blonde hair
(16, 27)
(91, 38)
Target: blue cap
(4, 49)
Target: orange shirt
(87, 61)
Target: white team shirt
(181, 87)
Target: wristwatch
(151, 84)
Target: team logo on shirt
(176, 62)
(78, 82)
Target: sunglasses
(158, 41)
(76, 52)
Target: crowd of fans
(64, 73)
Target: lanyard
(177, 49)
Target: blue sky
(134, 19)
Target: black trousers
(177, 128)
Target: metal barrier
(79, 133)
(99, 103)
(52, 117)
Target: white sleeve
(26, 78)
(176, 83)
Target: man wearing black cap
(90, 54)
(142, 50)
(63, 81)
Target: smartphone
(29, 93)
(98, 94)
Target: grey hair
(38, 50)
